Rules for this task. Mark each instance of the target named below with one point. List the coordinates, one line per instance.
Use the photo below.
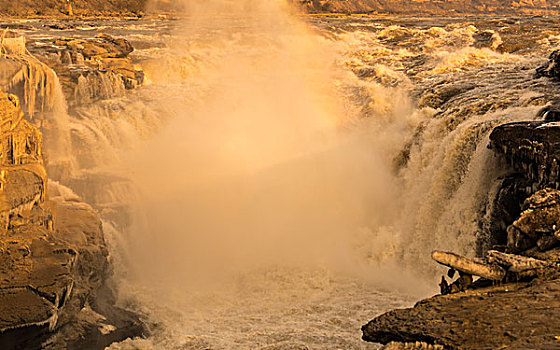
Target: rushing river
(280, 180)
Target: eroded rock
(53, 257)
(532, 149)
(551, 69)
(90, 69)
(538, 223)
(513, 316)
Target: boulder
(538, 223)
(522, 266)
(541, 214)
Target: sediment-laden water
(280, 180)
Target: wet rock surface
(537, 224)
(550, 69)
(90, 69)
(53, 258)
(513, 316)
(532, 149)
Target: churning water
(279, 181)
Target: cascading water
(276, 192)
(278, 183)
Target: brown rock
(538, 223)
(53, 257)
(90, 69)
(516, 316)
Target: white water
(267, 212)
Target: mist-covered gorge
(299, 170)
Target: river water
(280, 180)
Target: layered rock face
(53, 258)
(531, 149)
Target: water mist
(259, 192)
(261, 167)
(270, 211)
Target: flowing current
(280, 180)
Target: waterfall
(277, 170)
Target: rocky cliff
(54, 268)
(53, 258)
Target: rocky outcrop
(91, 69)
(86, 70)
(501, 309)
(531, 149)
(538, 225)
(512, 316)
(53, 258)
(550, 69)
